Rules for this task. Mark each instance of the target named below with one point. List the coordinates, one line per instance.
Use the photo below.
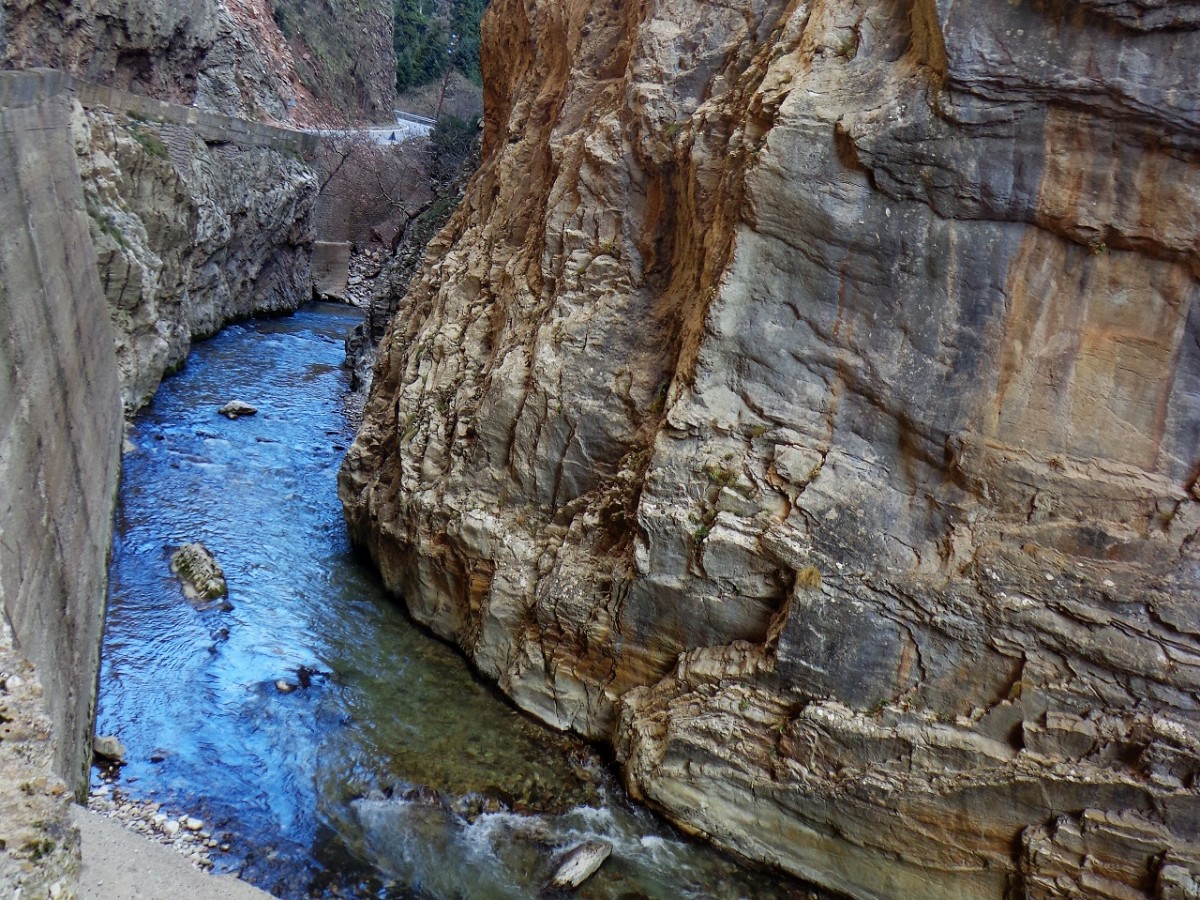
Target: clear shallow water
(392, 772)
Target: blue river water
(389, 770)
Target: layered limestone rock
(227, 56)
(805, 398)
(154, 47)
(189, 236)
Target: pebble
(192, 824)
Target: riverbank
(119, 864)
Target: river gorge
(337, 749)
(794, 406)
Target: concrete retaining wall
(60, 412)
(211, 127)
(331, 268)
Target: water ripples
(306, 784)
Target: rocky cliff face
(805, 398)
(343, 53)
(189, 236)
(154, 47)
(228, 56)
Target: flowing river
(387, 770)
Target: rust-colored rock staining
(805, 399)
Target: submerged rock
(581, 864)
(236, 409)
(199, 572)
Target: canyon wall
(60, 434)
(343, 53)
(194, 225)
(805, 399)
(133, 226)
(228, 56)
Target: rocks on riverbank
(185, 834)
(39, 853)
(365, 266)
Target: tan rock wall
(805, 398)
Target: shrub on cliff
(450, 142)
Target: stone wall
(210, 127)
(60, 411)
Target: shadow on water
(389, 770)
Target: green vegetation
(432, 36)
(450, 142)
(285, 19)
(106, 226)
(38, 848)
(721, 475)
(150, 141)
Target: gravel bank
(121, 865)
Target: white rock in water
(284, 687)
(235, 409)
(109, 747)
(192, 824)
(580, 864)
(170, 827)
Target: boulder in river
(580, 864)
(199, 571)
(235, 409)
(109, 748)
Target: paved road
(381, 134)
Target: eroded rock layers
(189, 236)
(228, 56)
(805, 398)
